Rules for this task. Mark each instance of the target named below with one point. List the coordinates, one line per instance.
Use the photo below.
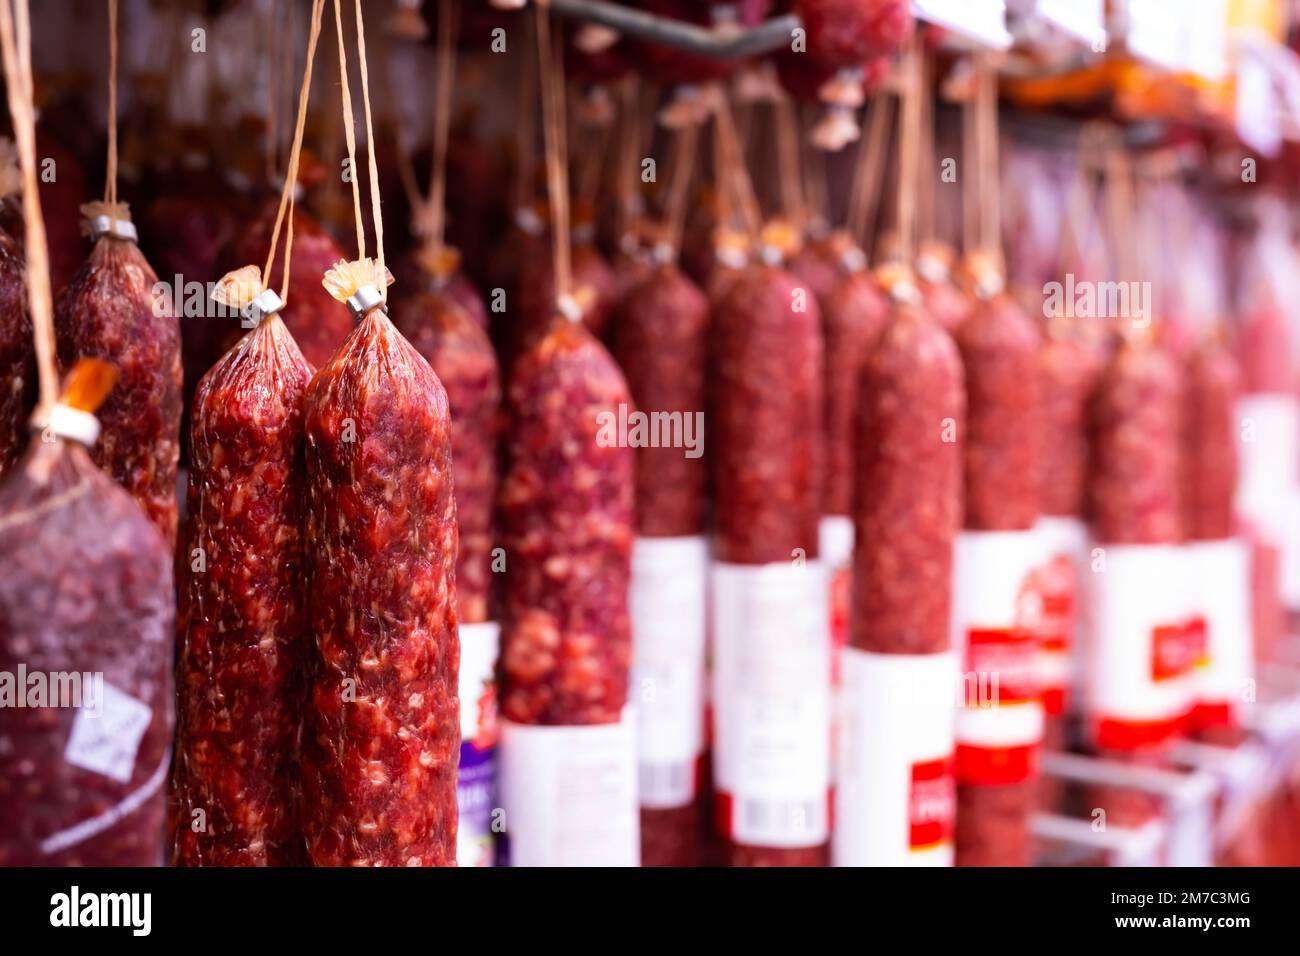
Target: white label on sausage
(1140, 654)
(772, 702)
(1221, 588)
(1065, 547)
(1269, 446)
(669, 618)
(835, 548)
(894, 797)
(476, 782)
(569, 794)
(106, 743)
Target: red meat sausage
(112, 309)
(566, 513)
(87, 590)
(1000, 348)
(383, 718)
(1069, 374)
(243, 636)
(1213, 382)
(766, 412)
(908, 505)
(461, 355)
(661, 341)
(854, 313)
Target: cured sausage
(661, 340)
(593, 285)
(242, 623)
(17, 360)
(854, 313)
(1139, 667)
(908, 504)
(566, 513)
(770, 612)
(71, 540)
(113, 309)
(844, 33)
(1219, 561)
(567, 520)
(995, 617)
(383, 729)
(899, 668)
(942, 300)
(316, 322)
(461, 355)
(1069, 370)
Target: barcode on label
(666, 785)
(760, 821)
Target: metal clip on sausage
(64, 421)
(102, 225)
(266, 304)
(363, 300)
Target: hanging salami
(66, 529)
(660, 340)
(243, 639)
(382, 734)
(242, 626)
(1140, 659)
(111, 309)
(1219, 560)
(772, 646)
(382, 730)
(895, 800)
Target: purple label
(475, 799)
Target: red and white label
(895, 794)
(570, 794)
(1143, 646)
(669, 613)
(1065, 544)
(772, 703)
(1221, 578)
(997, 614)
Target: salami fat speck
(112, 310)
(461, 355)
(87, 590)
(566, 512)
(243, 636)
(383, 718)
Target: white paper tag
(479, 727)
(983, 22)
(772, 702)
(1140, 661)
(894, 797)
(835, 548)
(1258, 107)
(106, 743)
(569, 794)
(669, 614)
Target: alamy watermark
(630, 428)
(78, 690)
(1085, 299)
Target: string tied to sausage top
(361, 284)
(245, 288)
